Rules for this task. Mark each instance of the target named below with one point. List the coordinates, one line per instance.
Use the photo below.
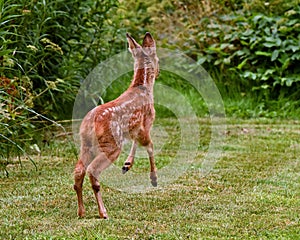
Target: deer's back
(119, 119)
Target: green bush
(262, 50)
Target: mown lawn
(253, 192)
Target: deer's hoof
(126, 167)
(154, 183)
(81, 213)
(153, 177)
(103, 214)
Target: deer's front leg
(153, 171)
(130, 160)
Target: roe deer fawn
(130, 116)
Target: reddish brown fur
(130, 116)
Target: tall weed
(46, 49)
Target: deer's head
(145, 55)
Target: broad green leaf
(267, 31)
(289, 82)
(248, 32)
(265, 86)
(250, 75)
(224, 45)
(270, 39)
(244, 43)
(278, 42)
(292, 22)
(218, 61)
(274, 55)
(242, 64)
(256, 18)
(260, 53)
(267, 74)
(269, 44)
(201, 60)
(285, 64)
(296, 56)
(227, 60)
(293, 48)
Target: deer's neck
(143, 77)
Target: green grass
(252, 192)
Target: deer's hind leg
(79, 174)
(99, 163)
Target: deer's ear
(132, 43)
(148, 41)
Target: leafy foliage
(259, 48)
(46, 48)
(251, 49)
